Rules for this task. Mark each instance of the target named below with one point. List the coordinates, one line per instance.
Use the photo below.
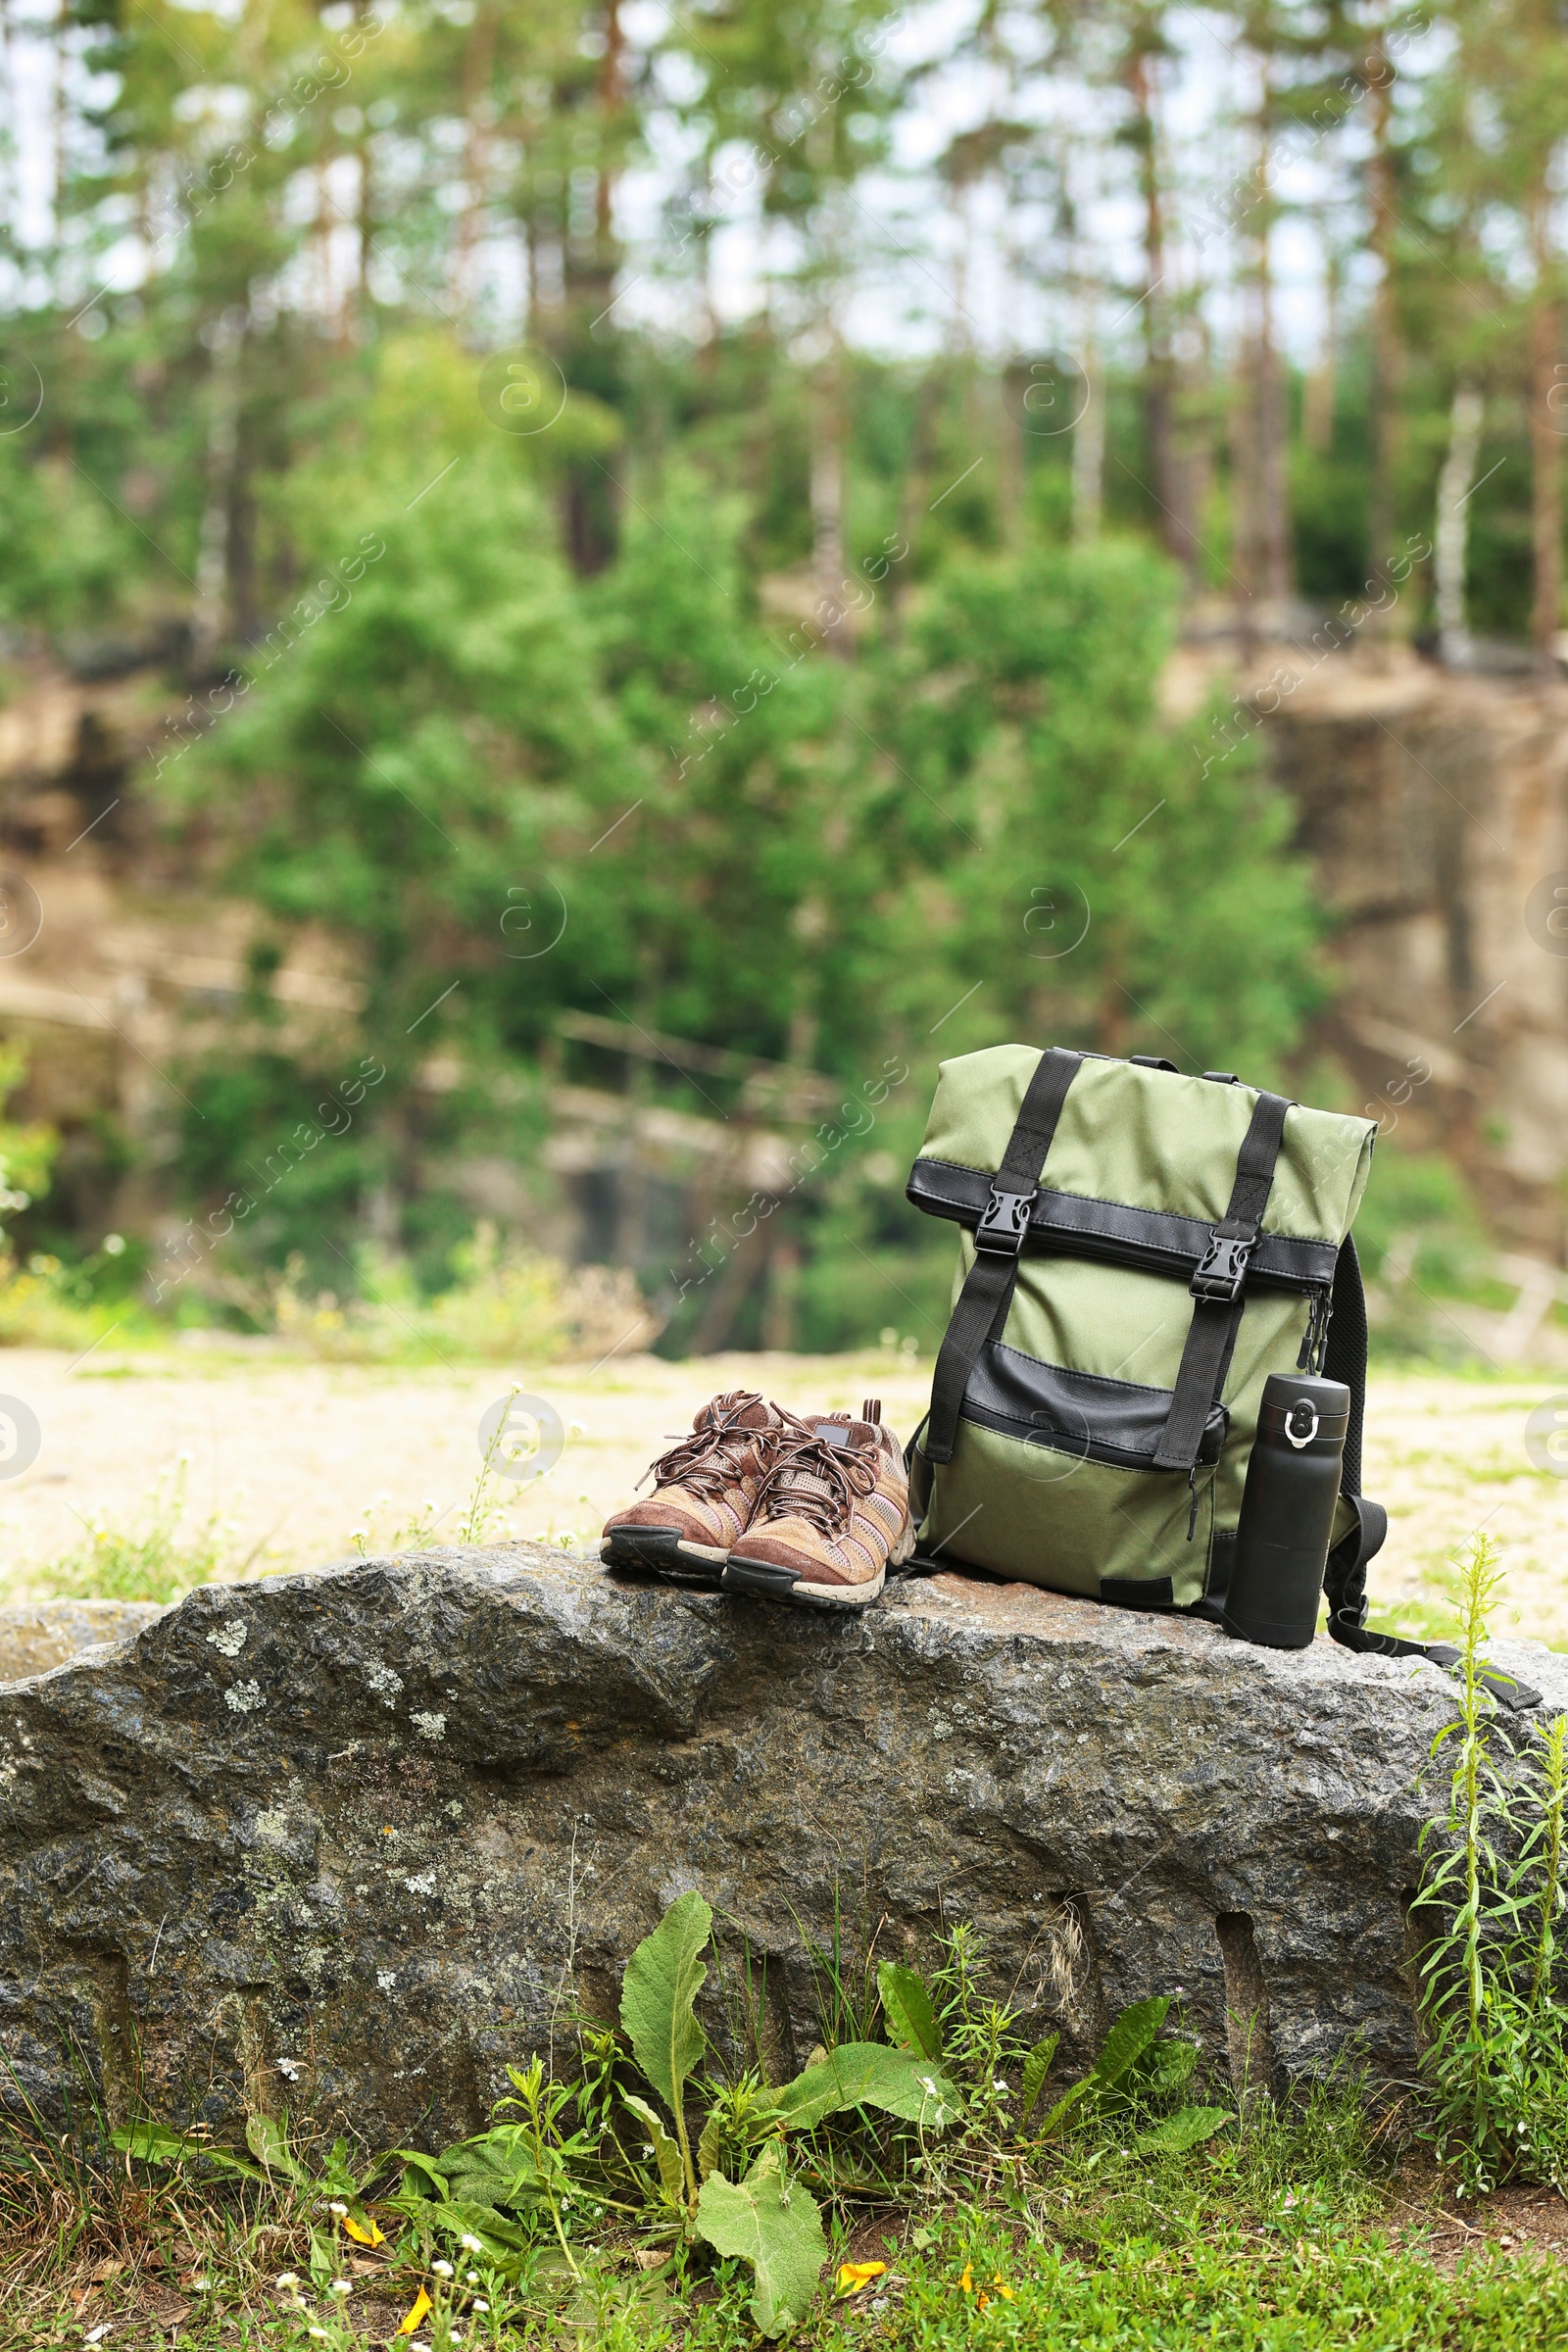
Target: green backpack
(1139, 1251)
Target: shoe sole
(764, 1582)
(662, 1551)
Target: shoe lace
(706, 1460)
(815, 1480)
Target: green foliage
(657, 2008)
(1137, 2070)
(901, 2083)
(907, 2008)
(1118, 2233)
(162, 1560)
(1494, 1890)
(775, 2227)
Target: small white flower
(442, 2270)
(338, 2207)
(95, 2335)
(648, 2148)
(342, 2287)
(320, 2334)
(480, 2303)
(470, 2277)
(471, 2244)
(287, 2278)
(288, 2068)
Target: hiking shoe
(704, 1490)
(832, 1517)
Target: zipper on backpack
(1316, 1338)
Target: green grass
(167, 1557)
(1301, 2231)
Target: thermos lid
(1305, 1410)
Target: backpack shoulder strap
(1345, 1577)
(987, 1295)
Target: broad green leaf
(868, 2073)
(666, 2153)
(153, 2143)
(664, 1977)
(1036, 2067)
(473, 2174)
(775, 2227)
(707, 2147)
(1128, 2039)
(907, 2006)
(266, 2137)
(1184, 2130)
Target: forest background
(675, 517)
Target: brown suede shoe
(704, 1490)
(833, 1515)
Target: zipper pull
(1191, 1488)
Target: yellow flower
(414, 2314)
(852, 2275)
(967, 2280)
(366, 2234)
(1004, 2290)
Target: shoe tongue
(740, 1408)
(843, 1434)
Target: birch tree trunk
(1452, 534)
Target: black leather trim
(1114, 1421)
(1108, 1229)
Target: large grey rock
(36, 1635)
(357, 1837)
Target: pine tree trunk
(1545, 446)
(1167, 475)
(1386, 366)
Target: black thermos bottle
(1282, 1537)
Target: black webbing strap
(987, 1293)
(1218, 1289)
(1344, 1576)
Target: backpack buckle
(1222, 1269)
(1005, 1221)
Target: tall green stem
(1556, 1774)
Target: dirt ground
(291, 1457)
